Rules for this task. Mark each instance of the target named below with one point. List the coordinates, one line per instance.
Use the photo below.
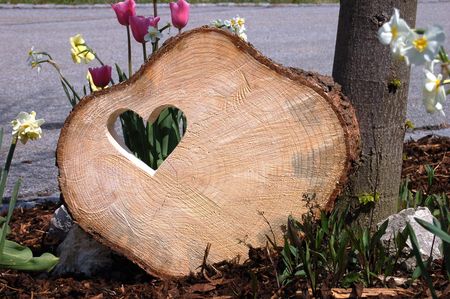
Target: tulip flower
(101, 76)
(124, 10)
(180, 13)
(139, 26)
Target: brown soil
(255, 278)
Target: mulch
(254, 279)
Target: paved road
(300, 36)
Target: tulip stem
(155, 14)
(130, 71)
(155, 9)
(144, 51)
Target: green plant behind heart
(153, 142)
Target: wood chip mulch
(254, 279)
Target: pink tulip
(139, 26)
(124, 10)
(101, 75)
(180, 13)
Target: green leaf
(12, 204)
(435, 230)
(122, 76)
(365, 239)
(14, 254)
(417, 273)
(300, 273)
(350, 279)
(416, 251)
(66, 91)
(45, 262)
(378, 234)
(430, 174)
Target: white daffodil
(243, 35)
(153, 35)
(433, 92)
(34, 59)
(217, 23)
(421, 48)
(27, 127)
(235, 25)
(394, 33)
(395, 29)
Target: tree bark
(369, 76)
(259, 136)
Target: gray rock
(80, 254)
(60, 225)
(397, 224)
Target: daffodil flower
(421, 48)
(394, 29)
(27, 127)
(235, 25)
(91, 82)
(80, 52)
(35, 59)
(433, 90)
(394, 33)
(152, 35)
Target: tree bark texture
(367, 72)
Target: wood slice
(258, 137)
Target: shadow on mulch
(256, 278)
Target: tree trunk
(259, 137)
(369, 76)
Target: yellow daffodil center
(394, 32)
(420, 44)
(438, 83)
(240, 22)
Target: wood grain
(258, 137)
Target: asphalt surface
(300, 36)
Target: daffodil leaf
(12, 204)
(45, 262)
(435, 230)
(14, 254)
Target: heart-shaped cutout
(259, 137)
(149, 141)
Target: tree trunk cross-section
(258, 137)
